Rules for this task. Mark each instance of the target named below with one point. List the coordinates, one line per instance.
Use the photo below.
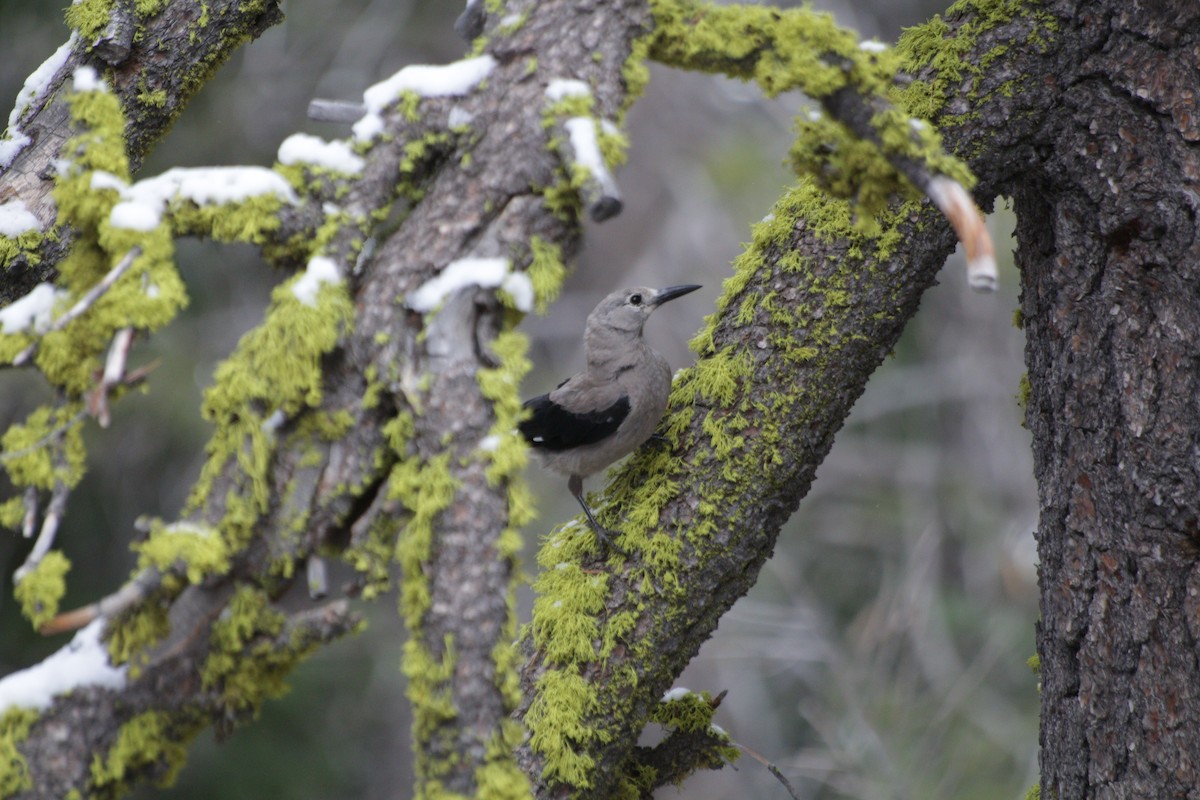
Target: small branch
(318, 577)
(85, 302)
(45, 440)
(114, 373)
(114, 44)
(580, 147)
(31, 512)
(335, 111)
(774, 770)
(956, 203)
(146, 581)
(45, 540)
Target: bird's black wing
(552, 427)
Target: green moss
(688, 712)
(1034, 793)
(89, 17)
(199, 550)
(134, 633)
(23, 245)
(46, 449)
(40, 591)
(1034, 662)
(1024, 390)
(247, 661)
(276, 368)
(546, 271)
(558, 730)
(14, 769)
(151, 742)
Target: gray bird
(607, 411)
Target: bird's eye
(635, 299)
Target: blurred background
(882, 653)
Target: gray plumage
(604, 413)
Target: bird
(604, 413)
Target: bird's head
(622, 314)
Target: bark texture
(1109, 257)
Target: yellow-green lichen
(134, 633)
(89, 17)
(46, 450)
(248, 660)
(546, 271)
(196, 550)
(23, 245)
(14, 769)
(153, 743)
(274, 373)
(558, 728)
(41, 589)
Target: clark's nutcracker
(607, 411)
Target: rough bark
(1107, 225)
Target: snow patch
(31, 311)
(307, 149)
(449, 80)
(320, 270)
(488, 273)
(145, 200)
(85, 79)
(566, 87)
(16, 218)
(83, 662)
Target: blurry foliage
(882, 653)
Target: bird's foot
(607, 540)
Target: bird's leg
(575, 484)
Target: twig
(954, 201)
(123, 598)
(858, 112)
(114, 373)
(31, 512)
(45, 540)
(774, 770)
(85, 302)
(335, 111)
(42, 442)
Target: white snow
(336, 155)
(85, 79)
(488, 444)
(135, 216)
(566, 87)
(201, 185)
(459, 117)
(31, 311)
(39, 80)
(450, 80)
(872, 46)
(274, 422)
(367, 128)
(34, 89)
(582, 131)
(10, 147)
(320, 270)
(488, 273)
(83, 662)
(678, 693)
(106, 180)
(16, 218)
(520, 289)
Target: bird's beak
(671, 292)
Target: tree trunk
(1110, 267)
